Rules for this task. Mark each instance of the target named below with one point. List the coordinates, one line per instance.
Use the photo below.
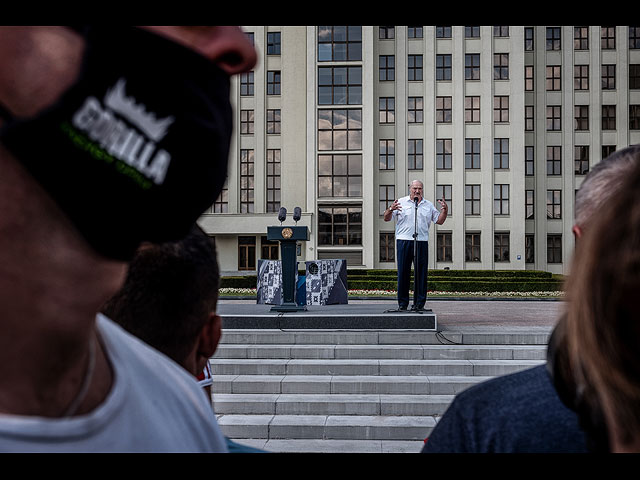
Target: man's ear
(577, 231)
(209, 337)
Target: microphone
(297, 212)
(282, 215)
(415, 200)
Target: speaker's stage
(341, 316)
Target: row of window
(345, 225)
(342, 85)
(501, 247)
(344, 43)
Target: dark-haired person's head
(169, 299)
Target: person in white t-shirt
(403, 211)
(72, 209)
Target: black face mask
(137, 149)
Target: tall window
(553, 38)
(501, 199)
(608, 38)
(472, 32)
(500, 153)
(554, 73)
(634, 38)
(387, 109)
(246, 253)
(414, 154)
(443, 154)
(269, 248)
(529, 248)
(554, 160)
(443, 32)
(501, 66)
(387, 247)
(273, 180)
(554, 204)
(554, 118)
(608, 117)
(443, 109)
(472, 199)
(246, 122)
(386, 33)
(246, 181)
(634, 76)
(529, 79)
(472, 109)
(472, 66)
(338, 44)
(339, 85)
(273, 121)
(273, 43)
(443, 67)
(339, 225)
(340, 175)
(221, 205)
(581, 77)
(634, 117)
(608, 77)
(529, 161)
(581, 38)
(471, 153)
(529, 204)
(445, 191)
(387, 68)
(529, 118)
(501, 247)
(582, 117)
(414, 72)
(472, 247)
(387, 194)
(246, 84)
(529, 42)
(444, 249)
(581, 153)
(340, 129)
(273, 82)
(501, 31)
(414, 32)
(415, 112)
(387, 154)
(501, 108)
(554, 248)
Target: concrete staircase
(351, 391)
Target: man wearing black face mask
(92, 156)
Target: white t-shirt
(154, 406)
(405, 219)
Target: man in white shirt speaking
(403, 211)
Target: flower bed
(392, 293)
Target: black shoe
(402, 308)
(417, 308)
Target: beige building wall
(298, 139)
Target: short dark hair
(168, 294)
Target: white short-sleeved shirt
(405, 219)
(154, 406)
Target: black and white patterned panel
(326, 282)
(269, 282)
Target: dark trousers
(404, 254)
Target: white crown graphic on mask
(117, 100)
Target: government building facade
(504, 122)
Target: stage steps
(355, 391)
